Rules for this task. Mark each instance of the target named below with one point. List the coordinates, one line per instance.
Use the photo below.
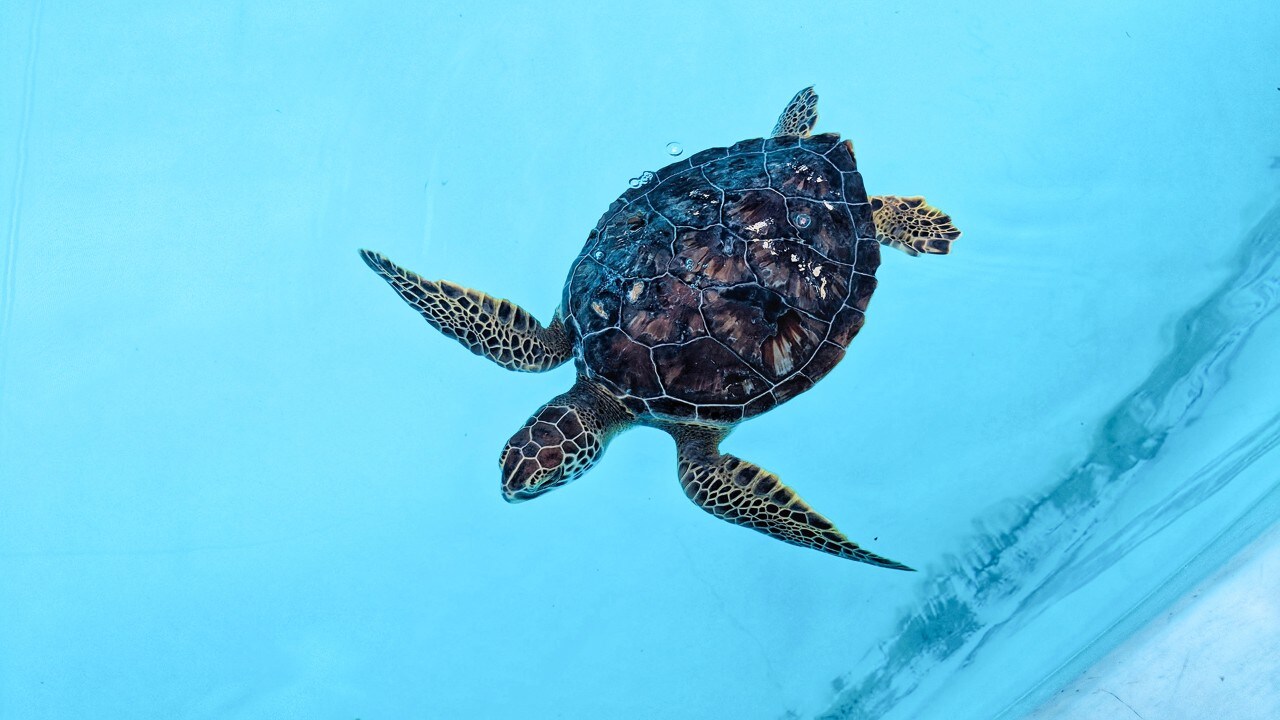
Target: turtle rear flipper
(492, 327)
(735, 490)
(912, 225)
(800, 115)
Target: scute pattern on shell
(728, 284)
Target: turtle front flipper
(735, 490)
(495, 328)
(912, 225)
(800, 115)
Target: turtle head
(556, 446)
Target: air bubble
(802, 220)
(645, 178)
(599, 255)
(675, 149)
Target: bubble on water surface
(645, 178)
(675, 149)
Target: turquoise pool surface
(240, 479)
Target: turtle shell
(729, 282)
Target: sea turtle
(724, 285)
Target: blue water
(240, 479)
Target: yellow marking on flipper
(912, 225)
(745, 494)
(800, 115)
(491, 327)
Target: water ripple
(1023, 559)
(15, 200)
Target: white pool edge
(1211, 653)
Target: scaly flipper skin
(800, 115)
(561, 441)
(494, 328)
(912, 225)
(742, 493)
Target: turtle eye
(801, 220)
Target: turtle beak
(515, 498)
